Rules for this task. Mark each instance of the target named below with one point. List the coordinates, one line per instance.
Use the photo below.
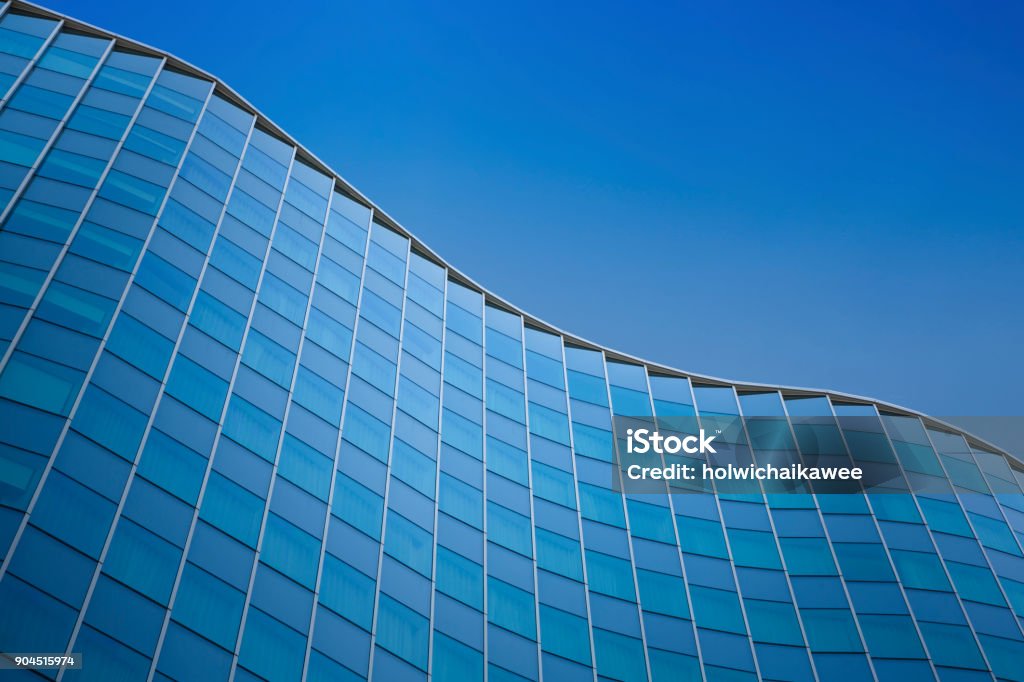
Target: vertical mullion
(529, 479)
(284, 423)
(387, 469)
(483, 480)
(219, 431)
(617, 474)
(437, 481)
(728, 547)
(337, 449)
(579, 510)
(679, 544)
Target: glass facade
(250, 428)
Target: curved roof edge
(381, 216)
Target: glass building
(251, 428)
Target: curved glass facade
(251, 428)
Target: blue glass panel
(460, 500)
(830, 630)
(232, 508)
(402, 631)
(409, 543)
(346, 591)
(173, 466)
(250, 426)
(453, 661)
(662, 593)
(110, 422)
(290, 550)
(509, 529)
(133, 192)
(106, 246)
(460, 577)
(511, 608)
(358, 506)
(618, 656)
(155, 145)
(142, 561)
(270, 648)
(564, 634)
(74, 514)
(40, 383)
(166, 281)
(77, 309)
(209, 606)
(197, 387)
(304, 466)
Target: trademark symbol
(718, 431)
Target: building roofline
(381, 216)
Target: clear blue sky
(782, 192)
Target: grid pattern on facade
(251, 431)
